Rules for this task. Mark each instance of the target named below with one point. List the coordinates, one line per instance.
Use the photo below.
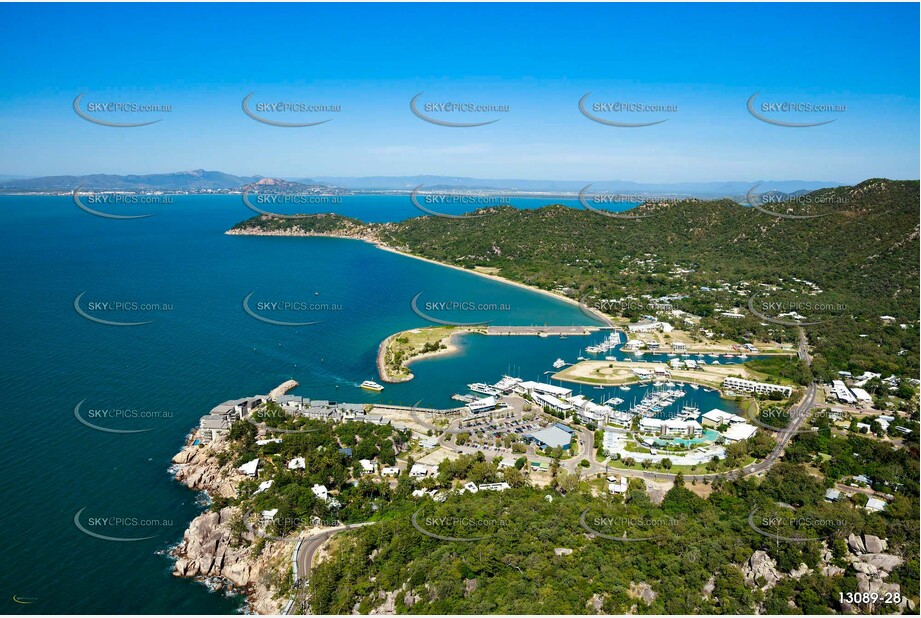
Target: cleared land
(696, 344)
(616, 373)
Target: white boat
(694, 386)
(625, 388)
(558, 363)
(480, 387)
(743, 356)
(371, 385)
(610, 358)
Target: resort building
(738, 432)
(320, 492)
(861, 395)
(264, 486)
(717, 417)
(587, 411)
(390, 471)
(268, 515)
(531, 388)
(367, 466)
(482, 405)
(551, 437)
(675, 428)
(494, 486)
(750, 386)
(213, 427)
(549, 401)
(649, 326)
(297, 463)
(617, 485)
(419, 471)
(620, 419)
(842, 392)
(875, 505)
(250, 468)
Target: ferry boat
(371, 385)
(480, 387)
(506, 384)
(558, 363)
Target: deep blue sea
(178, 272)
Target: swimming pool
(709, 436)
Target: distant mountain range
(203, 180)
(175, 181)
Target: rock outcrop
(198, 468)
(642, 591)
(209, 550)
(761, 570)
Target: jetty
(541, 330)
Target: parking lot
(497, 431)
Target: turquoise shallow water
(199, 349)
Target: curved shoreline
(386, 376)
(606, 320)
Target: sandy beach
(449, 349)
(602, 317)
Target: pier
(541, 330)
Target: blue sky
(539, 60)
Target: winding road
(303, 562)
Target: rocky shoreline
(210, 550)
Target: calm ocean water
(179, 272)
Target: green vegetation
(515, 569)
(714, 255)
(324, 465)
(782, 368)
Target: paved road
(798, 414)
(304, 562)
(803, 351)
